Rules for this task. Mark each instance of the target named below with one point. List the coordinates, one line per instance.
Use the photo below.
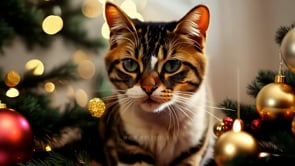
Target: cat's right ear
(117, 20)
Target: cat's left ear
(195, 24)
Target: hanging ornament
(287, 49)
(256, 124)
(16, 137)
(219, 129)
(276, 100)
(234, 143)
(228, 123)
(96, 107)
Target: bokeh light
(52, 24)
(36, 66)
(12, 78)
(91, 8)
(49, 87)
(86, 69)
(12, 92)
(81, 97)
(79, 56)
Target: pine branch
(61, 74)
(281, 33)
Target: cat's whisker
(173, 118)
(221, 108)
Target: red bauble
(256, 124)
(16, 137)
(228, 123)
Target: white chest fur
(168, 136)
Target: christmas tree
(62, 135)
(270, 120)
(68, 135)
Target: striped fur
(158, 113)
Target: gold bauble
(287, 49)
(96, 107)
(219, 129)
(232, 144)
(276, 100)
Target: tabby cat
(158, 114)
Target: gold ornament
(96, 107)
(12, 78)
(219, 129)
(276, 100)
(234, 143)
(287, 49)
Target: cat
(158, 114)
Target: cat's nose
(149, 89)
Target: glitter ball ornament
(234, 143)
(16, 137)
(287, 49)
(276, 100)
(96, 107)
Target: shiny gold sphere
(287, 49)
(219, 129)
(96, 107)
(276, 101)
(234, 144)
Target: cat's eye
(172, 66)
(130, 65)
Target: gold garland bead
(96, 107)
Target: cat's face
(154, 64)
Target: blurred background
(241, 41)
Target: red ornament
(16, 137)
(228, 123)
(256, 124)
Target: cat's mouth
(150, 105)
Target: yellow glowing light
(130, 8)
(12, 78)
(86, 69)
(12, 92)
(48, 148)
(49, 87)
(105, 31)
(79, 56)
(237, 126)
(52, 24)
(36, 66)
(91, 8)
(81, 97)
